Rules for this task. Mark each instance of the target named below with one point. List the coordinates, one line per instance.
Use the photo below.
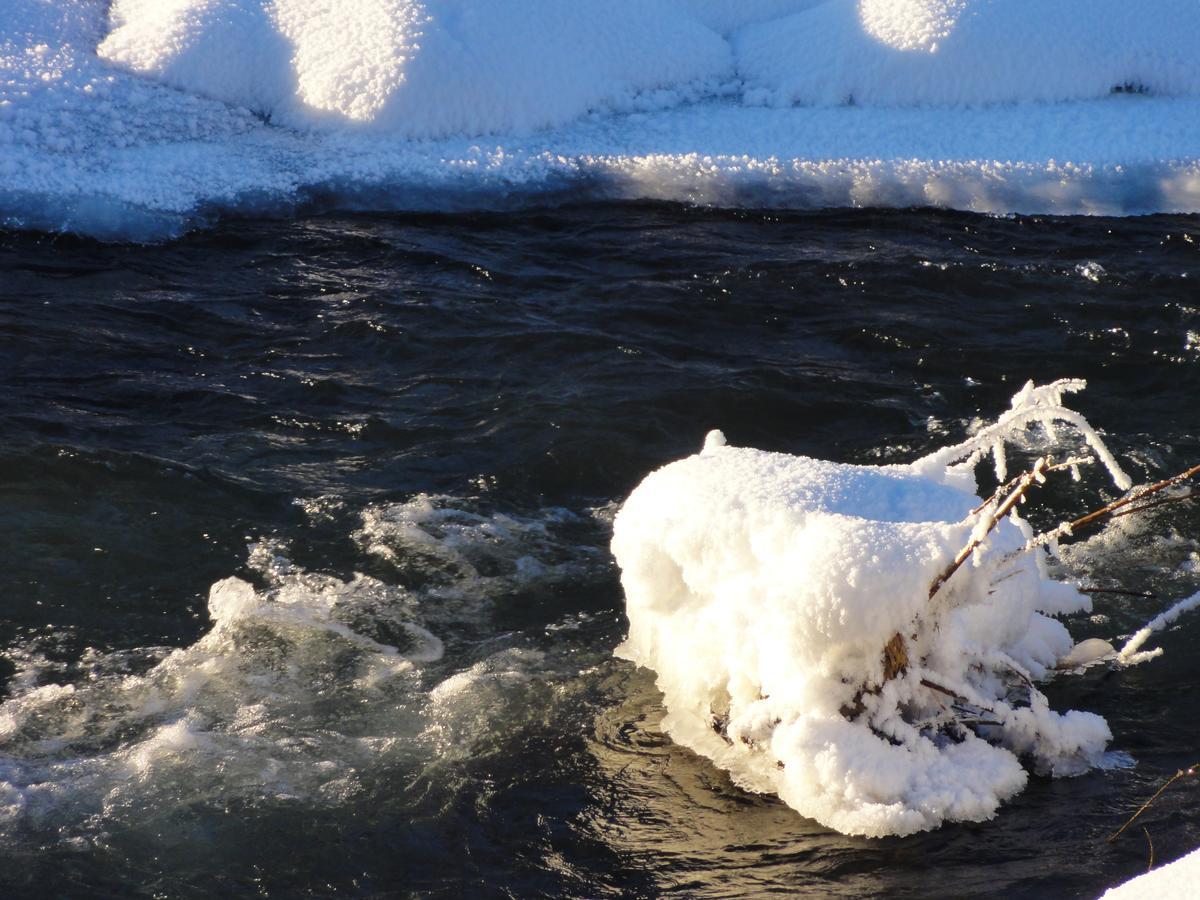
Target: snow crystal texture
(971, 52)
(417, 69)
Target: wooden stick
(1099, 514)
(1182, 773)
(1024, 483)
(1161, 501)
(1012, 482)
(1110, 511)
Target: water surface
(450, 408)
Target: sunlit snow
(149, 118)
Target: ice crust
(762, 588)
(151, 117)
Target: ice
(157, 117)
(763, 588)
(1132, 653)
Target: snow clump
(806, 637)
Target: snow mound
(806, 637)
(950, 52)
(423, 69)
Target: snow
(727, 16)
(426, 69)
(971, 52)
(762, 589)
(1175, 881)
(1132, 653)
(156, 116)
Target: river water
(413, 432)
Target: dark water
(451, 406)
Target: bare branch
(1024, 483)
(1161, 501)
(1107, 511)
(1095, 590)
(1182, 773)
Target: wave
(306, 686)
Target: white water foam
(305, 685)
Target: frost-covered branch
(1130, 655)
(1041, 405)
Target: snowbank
(763, 589)
(420, 69)
(1175, 881)
(946, 52)
(434, 68)
(155, 117)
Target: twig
(1009, 485)
(1110, 511)
(1024, 483)
(997, 494)
(1143, 594)
(1182, 773)
(934, 686)
(1149, 865)
(1162, 501)
(1101, 513)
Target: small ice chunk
(1086, 652)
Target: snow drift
(418, 69)
(147, 118)
(971, 52)
(434, 68)
(763, 589)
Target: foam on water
(305, 683)
(157, 117)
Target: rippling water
(406, 434)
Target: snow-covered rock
(763, 588)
